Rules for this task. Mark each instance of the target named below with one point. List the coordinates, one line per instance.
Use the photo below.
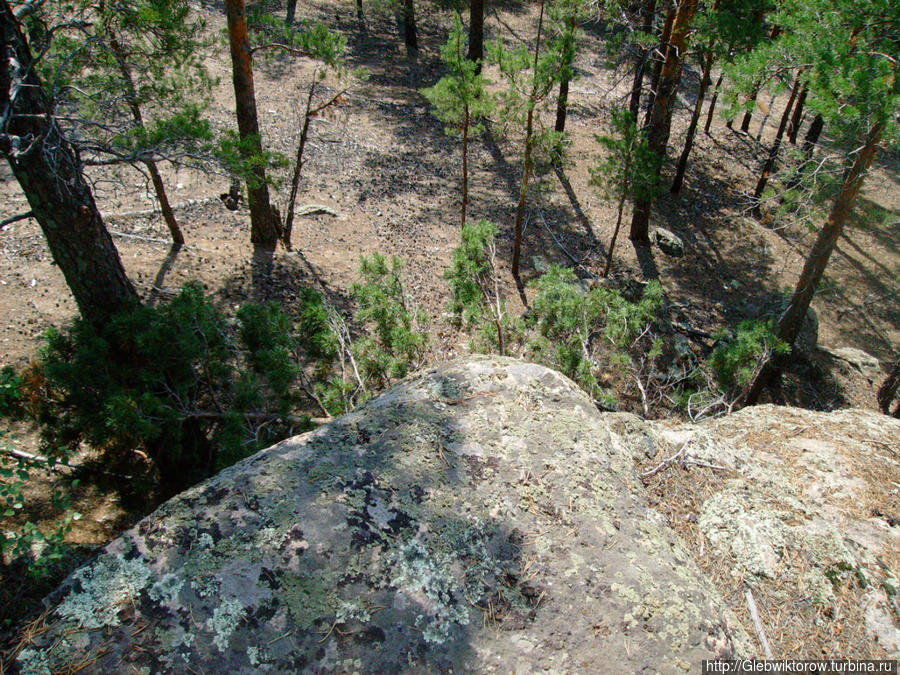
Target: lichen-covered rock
(475, 518)
(808, 507)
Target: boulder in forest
(479, 517)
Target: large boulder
(479, 517)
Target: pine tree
(49, 172)
(460, 99)
(659, 118)
(853, 57)
(265, 230)
(627, 172)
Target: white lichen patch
(33, 662)
(105, 585)
(416, 570)
(166, 590)
(224, 621)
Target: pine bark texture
(263, 228)
(476, 32)
(49, 172)
(648, 12)
(659, 120)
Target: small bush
(24, 541)
(736, 362)
(168, 394)
(349, 366)
(475, 298)
(11, 395)
(582, 331)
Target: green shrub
(25, 541)
(735, 362)
(169, 394)
(11, 396)
(475, 298)
(581, 331)
(350, 365)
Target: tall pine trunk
(50, 174)
(291, 11)
(637, 86)
(409, 28)
(791, 322)
(776, 146)
(527, 159)
(155, 177)
(797, 117)
(568, 50)
(660, 115)
(264, 230)
(712, 104)
(695, 119)
(476, 33)
(660, 59)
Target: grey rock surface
(807, 510)
(480, 517)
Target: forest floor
(382, 162)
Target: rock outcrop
(479, 517)
(805, 509)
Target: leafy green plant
(475, 297)
(23, 540)
(169, 394)
(460, 98)
(392, 337)
(11, 395)
(581, 331)
(737, 361)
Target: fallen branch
(14, 219)
(754, 614)
(655, 470)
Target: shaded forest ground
(382, 162)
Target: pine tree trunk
(158, 185)
(695, 119)
(291, 11)
(298, 168)
(813, 133)
(476, 33)
(526, 161)
(660, 59)
(791, 322)
(712, 104)
(637, 85)
(50, 175)
(360, 15)
(797, 117)
(660, 115)
(264, 231)
(465, 167)
(776, 146)
(409, 28)
(562, 104)
(745, 123)
(562, 101)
